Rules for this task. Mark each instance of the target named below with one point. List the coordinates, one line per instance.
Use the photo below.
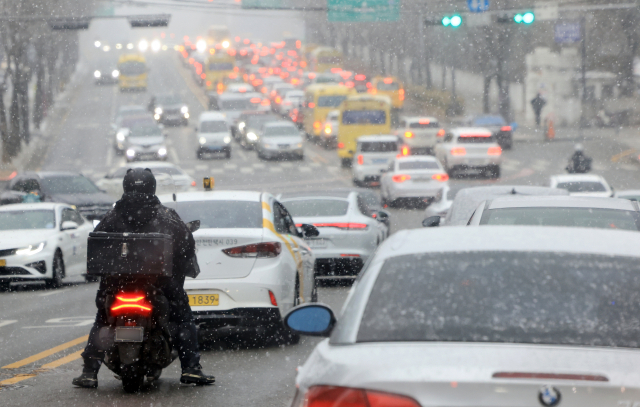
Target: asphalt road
(42, 331)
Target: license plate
(317, 243)
(478, 161)
(3, 262)
(129, 334)
(379, 160)
(421, 179)
(204, 300)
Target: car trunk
(213, 262)
(329, 237)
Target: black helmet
(139, 180)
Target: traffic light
(524, 18)
(454, 21)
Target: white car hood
(145, 141)
(15, 239)
(281, 140)
(214, 136)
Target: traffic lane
(244, 376)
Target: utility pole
(583, 71)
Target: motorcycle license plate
(129, 334)
(204, 300)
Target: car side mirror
(193, 225)
(68, 225)
(380, 215)
(309, 230)
(311, 319)
(431, 221)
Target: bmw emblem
(549, 396)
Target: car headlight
(115, 73)
(97, 74)
(252, 136)
(158, 110)
(31, 249)
(184, 109)
(268, 145)
(241, 125)
(120, 136)
(162, 151)
(131, 153)
(156, 116)
(202, 140)
(227, 139)
(299, 145)
(186, 115)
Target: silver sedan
(413, 179)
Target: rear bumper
(237, 318)
(427, 192)
(360, 172)
(473, 162)
(341, 268)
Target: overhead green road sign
(267, 4)
(363, 10)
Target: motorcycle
(138, 339)
(580, 165)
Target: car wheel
(5, 286)
(301, 157)
(57, 272)
(91, 279)
(493, 171)
(228, 154)
(345, 162)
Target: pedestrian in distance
(538, 103)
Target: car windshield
(256, 121)
(235, 104)
(280, 131)
(330, 101)
(582, 186)
(512, 297)
(140, 122)
(488, 121)
(577, 217)
(68, 184)
(317, 207)
(145, 131)
(168, 100)
(377, 146)
(472, 139)
(213, 126)
(27, 219)
(364, 117)
(418, 165)
(219, 214)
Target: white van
(372, 158)
(213, 135)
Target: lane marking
(46, 353)
(52, 365)
(17, 378)
(53, 293)
(64, 360)
(190, 84)
(8, 322)
(174, 155)
(623, 154)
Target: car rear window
(576, 217)
(68, 185)
(221, 214)
(418, 165)
(582, 186)
(364, 117)
(511, 297)
(240, 104)
(429, 125)
(317, 207)
(388, 86)
(378, 146)
(471, 139)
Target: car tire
(228, 154)
(301, 157)
(5, 286)
(493, 171)
(91, 279)
(345, 162)
(57, 266)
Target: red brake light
(342, 225)
(317, 125)
(330, 396)
(494, 150)
(133, 303)
(459, 151)
(336, 70)
(260, 250)
(360, 77)
(193, 183)
(272, 298)
(388, 80)
(476, 135)
(404, 151)
(408, 134)
(265, 102)
(255, 100)
(505, 128)
(340, 145)
(401, 94)
(311, 105)
(360, 159)
(440, 177)
(400, 178)
(264, 89)
(440, 133)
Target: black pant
(180, 314)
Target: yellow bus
(361, 115)
(391, 87)
(133, 72)
(324, 59)
(217, 66)
(319, 100)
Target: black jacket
(140, 213)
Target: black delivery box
(142, 254)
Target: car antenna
(513, 192)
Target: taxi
(391, 87)
(254, 263)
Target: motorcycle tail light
(131, 304)
(330, 396)
(259, 250)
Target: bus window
(364, 117)
(330, 101)
(131, 68)
(388, 86)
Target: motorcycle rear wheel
(132, 378)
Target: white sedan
(254, 263)
(169, 178)
(493, 316)
(413, 179)
(42, 242)
(469, 149)
(582, 185)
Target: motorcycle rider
(579, 161)
(140, 211)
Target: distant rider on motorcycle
(140, 211)
(579, 161)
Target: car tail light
(408, 134)
(404, 151)
(317, 125)
(440, 177)
(340, 145)
(272, 298)
(193, 183)
(264, 89)
(401, 178)
(459, 151)
(311, 105)
(330, 396)
(260, 250)
(131, 303)
(440, 133)
(265, 102)
(360, 77)
(360, 159)
(497, 150)
(401, 94)
(505, 128)
(342, 225)
(349, 84)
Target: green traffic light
(528, 17)
(517, 18)
(456, 21)
(446, 21)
